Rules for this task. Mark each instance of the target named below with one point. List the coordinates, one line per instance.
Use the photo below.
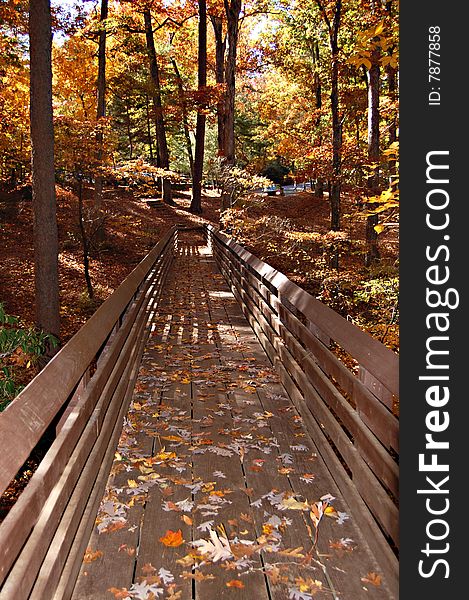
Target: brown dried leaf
(292, 552)
(119, 593)
(148, 569)
(91, 555)
(372, 578)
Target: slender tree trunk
(319, 185)
(220, 47)
(196, 202)
(335, 181)
(336, 122)
(372, 251)
(101, 110)
(392, 87)
(43, 176)
(84, 241)
(150, 142)
(160, 124)
(129, 129)
(391, 74)
(185, 121)
(232, 9)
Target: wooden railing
(349, 410)
(83, 393)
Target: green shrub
(20, 349)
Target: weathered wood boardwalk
(217, 489)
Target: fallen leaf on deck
(292, 552)
(372, 578)
(236, 583)
(217, 548)
(197, 576)
(148, 569)
(172, 539)
(91, 555)
(119, 593)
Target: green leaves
(20, 347)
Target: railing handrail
(371, 354)
(25, 420)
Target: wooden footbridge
(206, 443)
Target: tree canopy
(234, 97)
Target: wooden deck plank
(307, 479)
(220, 504)
(243, 460)
(260, 471)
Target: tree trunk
(129, 129)
(185, 121)
(43, 176)
(333, 27)
(84, 241)
(232, 9)
(336, 123)
(160, 124)
(319, 186)
(372, 251)
(196, 202)
(220, 47)
(391, 73)
(150, 143)
(101, 113)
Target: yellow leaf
(330, 511)
(366, 63)
(378, 29)
(172, 438)
(197, 575)
(292, 504)
(379, 228)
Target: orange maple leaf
(173, 539)
(236, 583)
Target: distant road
(289, 189)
